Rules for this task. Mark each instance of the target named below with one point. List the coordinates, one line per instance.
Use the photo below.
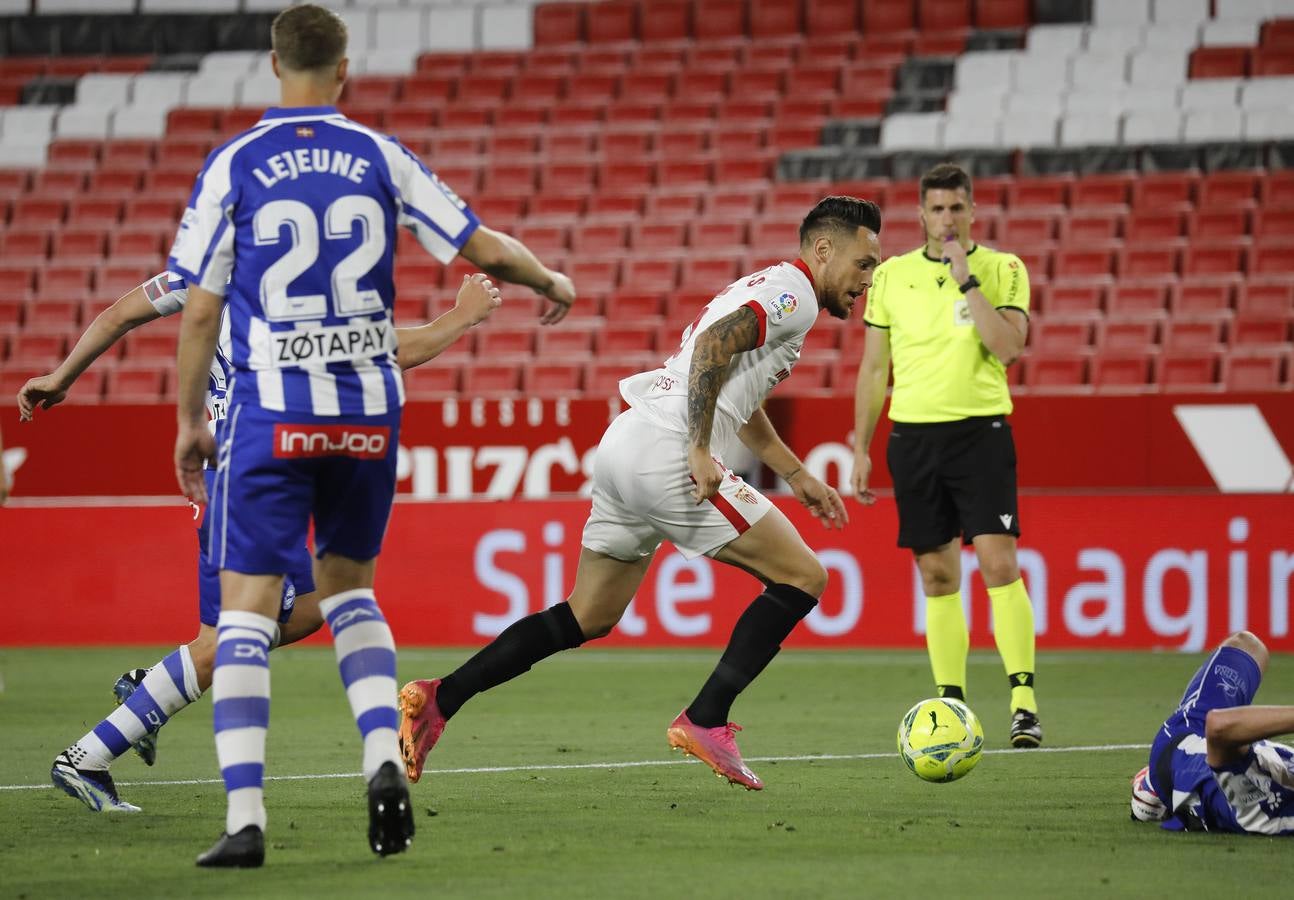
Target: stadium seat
(1058, 372)
(432, 381)
(1123, 370)
(1252, 329)
(1258, 370)
(1196, 370)
(496, 343)
(1054, 334)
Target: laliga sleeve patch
(781, 307)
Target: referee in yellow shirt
(952, 315)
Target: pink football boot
(716, 747)
(421, 724)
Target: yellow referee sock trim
(947, 640)
(1013, 633)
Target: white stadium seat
(258, 90)
(106, 89)
(1246, 10)
(1229, 33)
(1041, 102)
(56, 7)
(23, 155)
(207, 90)
(1029, 131)
(28, 124)
(452, 29)
(1167, 12)
(388, 61)
(1269, 124)
(16, 8)
(1046, 40)
(401, 28)
(911, 131)
(1120, 12)
(83, 121)
(1092, 72)
(189, 6)
(359, 29)
(1084, 99)
(1041, 73)
(989, 71)
(1079, 129)
(1174, 35)
(1114, 40)
(964, 104)
(1213, 125)
(1152, 126)
(1151, 98)
(1267, 93)
(1210, 93)
(972, 132)
(1159, 66)
(230, 62)
(162, 89)
(502, 27)
(139, 122)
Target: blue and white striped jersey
(298, 215)
(168, 293)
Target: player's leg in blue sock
(240, 694)
(366, 657)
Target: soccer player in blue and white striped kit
(299, 216)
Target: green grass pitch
(560, 785)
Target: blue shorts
(1229, 677)
(301, 580)
(278, 471)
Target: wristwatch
(969, 283)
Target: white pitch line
(632, 764)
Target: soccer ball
(940, 739)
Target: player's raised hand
(820, 499)
(560, 295)
(706, 474)
(858, 481)
(194, 445)
(478, 297)
(43, 391)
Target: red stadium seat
(1196, 370)
(33, 212)
(486, 379)
(633, 306)
(1258, 370)
(1130, 371)
(720, 234)
(943, 15)
(1277, 189)
(559, 23)
(1083, 263)
(553, 379)
(410, 310)
(1274, 223)
(831, 18)
(52, 316)
(1214, 258)
(19, 278)
(84, 244)
(1219, 223)
(432, 381)
(1266, 297)
(565, 343)
(1260, 330)
(25, 244)
(1060, 335)
(144, 211)
(889, 18)
(1269, 62)
(148, 346)
(774, 19)
(505, 343)
(1026, 230)
(1228, 190)
(36, 351)
(667, 237)
(596, 276)
(1002, 14)
(1220, 62)
(1164, 192)
(654, 274)
(1147, 262)
(1128, 334)
(669, 20)
(1137, 298)
(598, 238)
(708, 273)
(602, 379)
(1199, 297)
(65, 280)
(1272, 260)
(1063, 372)
(1196, 333)
(1050, 193)
(126, 153)
(719, 21)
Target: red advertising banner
(1128, 572)
(533, 448)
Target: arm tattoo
(715, 347)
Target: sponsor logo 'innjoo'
(311, 441)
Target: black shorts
(953, 478)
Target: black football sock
(521, 645)
(755, 640)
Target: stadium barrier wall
(1131, 572)
(537, 448)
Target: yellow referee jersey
(942, 370)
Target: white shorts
(642, 495)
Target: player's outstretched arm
(869, 398)
(507, 259)
(194, 443)
(477, 299)
(1229, 732)
(818, 497)
(44, 391)
(737, 332)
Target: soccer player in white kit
(657, 476)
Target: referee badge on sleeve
(961, 312)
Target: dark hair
(308, 37)
(840, 214)
(945, 176)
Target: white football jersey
(786, 305)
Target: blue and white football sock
(169, 686)
(240, 694)
(366, 657)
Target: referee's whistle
(947, 238)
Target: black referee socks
(755, 640)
